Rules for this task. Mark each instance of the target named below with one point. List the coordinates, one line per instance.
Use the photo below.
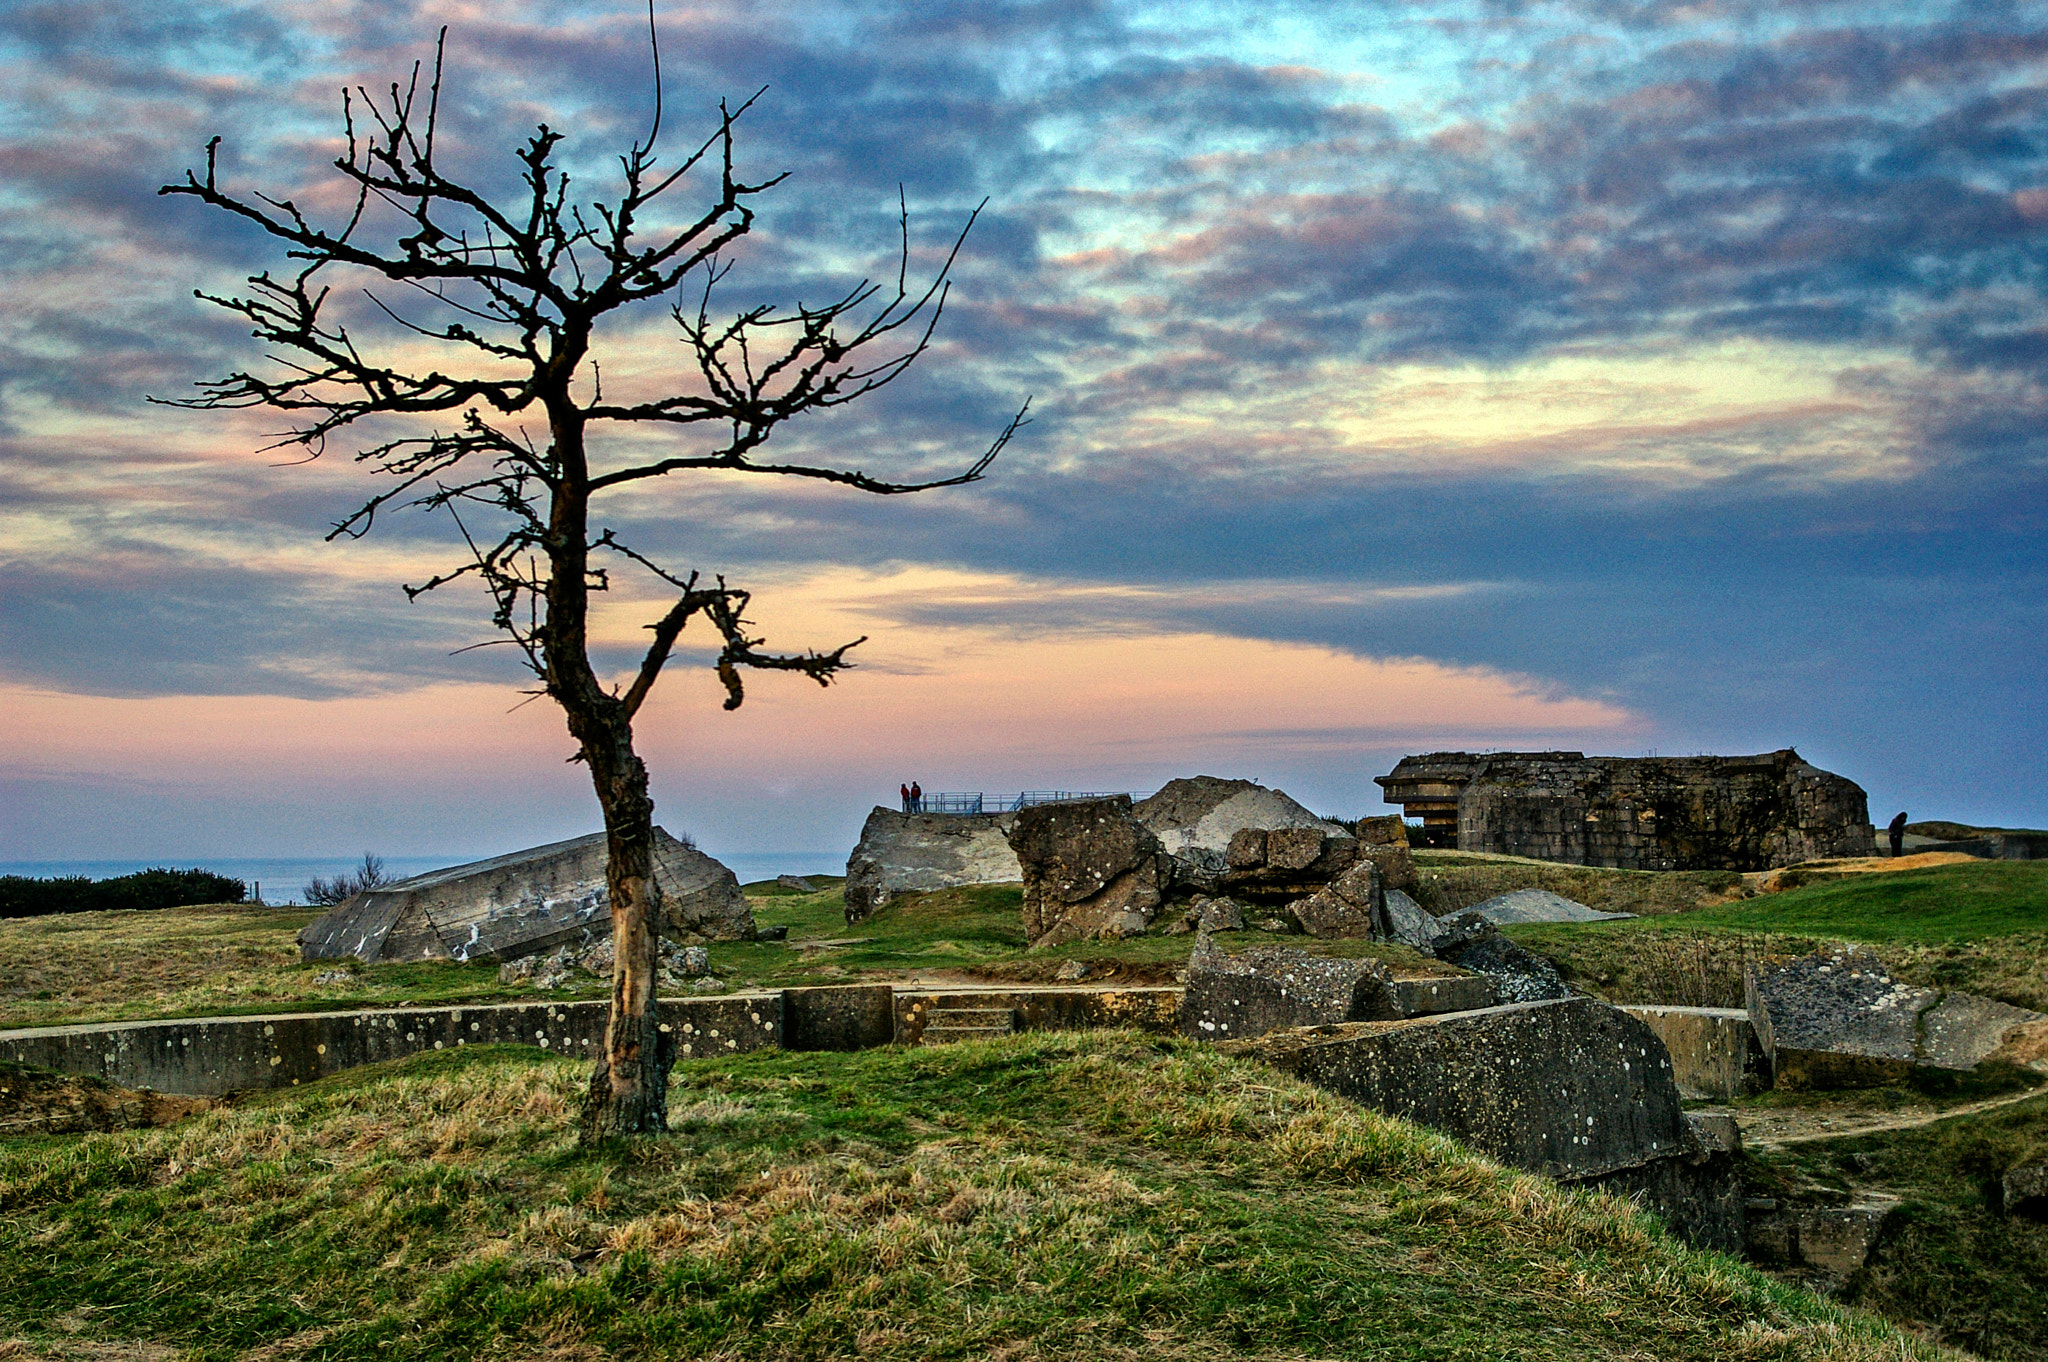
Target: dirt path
(1772, 1128)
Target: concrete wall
(1715, 1053)
(1048, 1009)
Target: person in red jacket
(906, 797)
(916, 798)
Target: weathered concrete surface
(1839, 1019)
(1698, 1196)
(1407, 922)
(1715, 1054)
(1472, 942)
(1538, 905)
(1090, 870)
(1636, 813)
(1396, 865)
(1045, 1009)
(1570, 1089)
(1836, 1240)
(2024, 1191)
(1267, 988)
(846, 1017)
(910, 853)
(1427, 997)
(208, 1056)
(1349, 906)
(1385, 830)
(525, 903)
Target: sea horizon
(283, 879)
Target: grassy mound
(1450, 881)
(1093, 1196)
(1982, 927)
(1949, 1259)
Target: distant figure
(1897, 828)
(906, 797)
(916, 798)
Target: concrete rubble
(1715, 1054)
(1408, 923)
(1635, 813)
(1571, 1088)
(1469, 941)
(1221, 832)
(1267, 988)
(1351, 905)
(526, 903)
(1838, 1019)
(1090, 870)
(906, 853)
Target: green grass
(1097, 1195)
(1980, 927)
(1949, 1260)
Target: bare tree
(512, 291)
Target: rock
(1636, 813)
(599, 958)
(1835, 1240)
(796, 882)
(696, 961)
(1715, 1054)
(1572, 1089)
(1071, 971)
(1388, 830)
(342, 976)
(1839, 1019)
(1205, 812)
(1538, 905)
(1218, 914)
(2025, 1191)
(1180, 926)
(1396, 865)
(903, 853)
(1271, 987)
(1349, 906)
(1090, 870)
(1247, 849)
(1471, 941)
(778, 933)
(1407, 922)
(1274, 924)
(525, 903)
(709, 984)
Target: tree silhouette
(514, 289)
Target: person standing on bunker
(916, 798)
(1897, 828)
(906, 797)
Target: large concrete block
(910, 853)
(524, 903)
(1427, 997)
(1231, 997)
(1571, 1088)
(1044, 1009)
(1839, 1019)
(1090, 870)
(1715, 1054)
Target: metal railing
(974, 801)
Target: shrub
(342, 888)
(23, 896)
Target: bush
(342, 888)
(22, 896)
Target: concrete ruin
(912, 853)
(1838, 1019)
(1572, 1089)
(1090, 870)
(1238, 834)
(1635, 813)
(1272, 988)
(526, 903)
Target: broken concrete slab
(525, 903)
(838, 1017)
(1198, 821)
(1427, 997)
(1539, 905)
(1090, 870)
(1570, 1089)
(1348, 906)
(1407, 922)
(913, 853)
(1472, 942)
(1273, 987)
(1386, 830)
(1839, 1019)
(1834, 1240)
(1715, 1055)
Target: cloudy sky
(1623, 377)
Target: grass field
(1097, 1195)
(1982, 927)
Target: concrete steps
(943, 1025)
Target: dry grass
(1049, 1196)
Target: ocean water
(283, 879)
